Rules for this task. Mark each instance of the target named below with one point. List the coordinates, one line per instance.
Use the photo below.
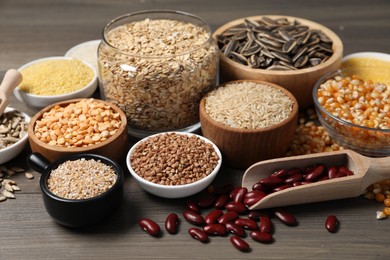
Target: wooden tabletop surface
(41, 28)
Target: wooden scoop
(12, 78)
(366, 172)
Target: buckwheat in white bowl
(174, 164)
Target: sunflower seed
(277, 43)
(8, 195)
(8, 187)
(15, 188)
(29, 175)
(3, 198)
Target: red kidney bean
(236, 207)
(215, 229)
(193, 218)
(213, 216)
(246, 223)
(281, 187)
(265, 224)
(206, 202)
(305, 182)
(298, 183)
(252, 201)
(282, 173)
(324, 178)
(239, 243)
(252, 197)
(228, 217)
(190, 205)
(198, 234)
(294, 171)
(331, 223)
(224, 189)
(233, 192)
(285, 217)
(309, 169)
(271, 182)
(171, 223)
(345, 170)
(148, 225)
(240, 195)
(254, 194)
(221, 201)
(260, 187)
(294, 178)
(235, 229)
(332, 172)
(255, 214)
(261, 236)
(316, 173)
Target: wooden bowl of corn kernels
(79, 126)
(262, 48)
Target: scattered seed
(29, 175)
(15, 188)
(8, 187)
(3, 198)
(8, 194)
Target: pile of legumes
(55, 77)
(83, 123)
(174, 159)
(81, 179)
(248, 105)
(220, 211)
(12, 128)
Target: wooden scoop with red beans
(313, 178)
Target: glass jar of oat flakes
(156, 66)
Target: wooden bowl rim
(56, 148)
(293, 114)
(337, 46)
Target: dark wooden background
(31, 29)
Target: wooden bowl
(241, 148)
(299, 82)
(114, 147)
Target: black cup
(78, 212)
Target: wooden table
(40, 28)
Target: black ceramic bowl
(77, 212)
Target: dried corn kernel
(386, 210)
(380, 215)
(380, 197)
(387, 202)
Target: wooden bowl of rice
(249, 120)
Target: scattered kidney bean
(228, 217)
(207, 201)
(255, 214)
(236, 207)
(221, 201)
(148, 225)
(285, 217)
(193, 218)
(215, 229)
(246, 223)
(239, 243)
(252, 197)
(235, 229)
(198, 234)
(240, 195)
(265, 225)
(331, 223)
(190, 205)
(233, 192)
(261, 236)
(212, 217)
(171, 223)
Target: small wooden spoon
(12, 78)
(366, 172)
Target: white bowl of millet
(174, 164)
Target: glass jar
(156, 66)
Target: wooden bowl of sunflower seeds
(249, 121)
(289, 51)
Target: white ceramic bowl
(10, 152)
(368, 54)
(174, 191)
(86, 51)
(39, 101)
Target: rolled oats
(157, 71)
